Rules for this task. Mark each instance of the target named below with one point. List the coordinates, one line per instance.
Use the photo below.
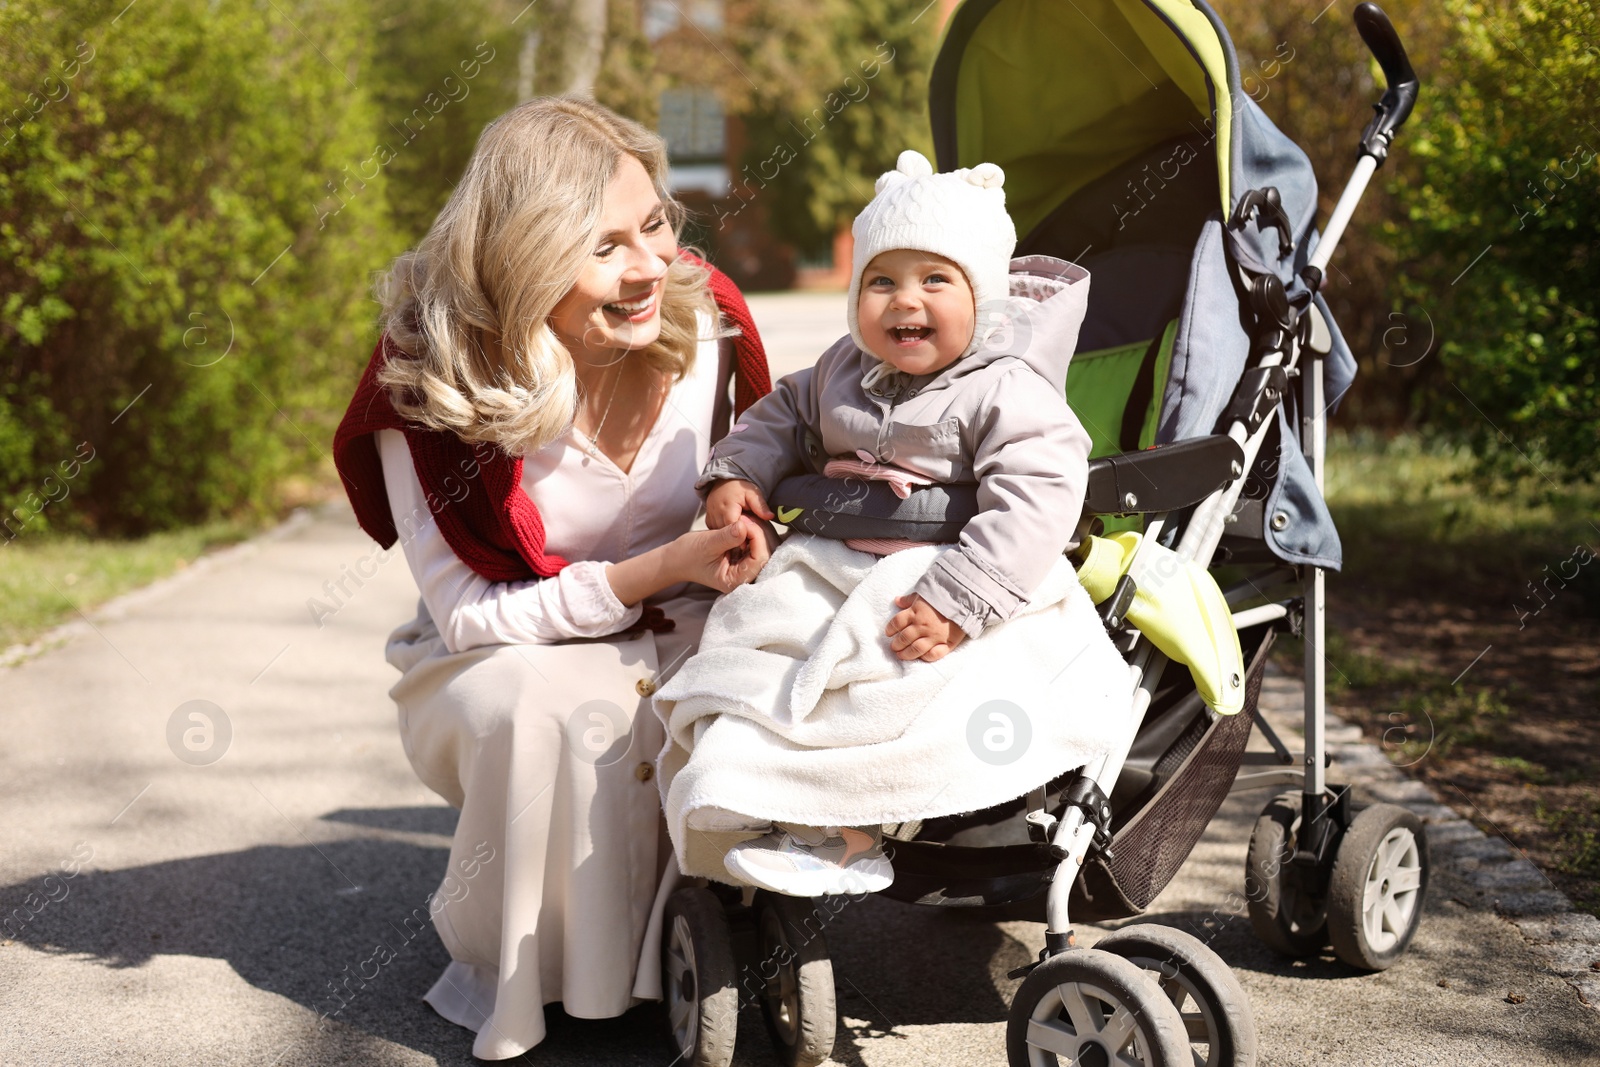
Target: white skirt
(560, 866)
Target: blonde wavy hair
(469, 307)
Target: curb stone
(118, 607)
(1565, 939)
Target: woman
(552, 377)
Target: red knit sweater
(475, 491)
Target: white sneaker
(810, 861)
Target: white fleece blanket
(795, 710)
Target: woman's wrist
(638, 577)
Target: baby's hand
(730, 499)
(920, 632)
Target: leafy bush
(184, 242)
(1502, 236)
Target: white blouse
(593, 513)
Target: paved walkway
(212, 909)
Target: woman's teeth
(632, 308)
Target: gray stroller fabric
(1213, 342)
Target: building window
(693, 126)
(661, 17)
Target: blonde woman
(552, 377)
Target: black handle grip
(1384, 43)
(1395, 107)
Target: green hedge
(169, 296)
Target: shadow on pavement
(306, 923)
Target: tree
(1503, 235)
(830, 96)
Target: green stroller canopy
(1060, 92)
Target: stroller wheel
(797, 996)
(697, 975)
(1089, 1008)
(1216, 1013)
(1288, 910)
(1380, 875)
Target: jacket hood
(1038, 324)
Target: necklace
(593, 447)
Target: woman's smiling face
(616, 301)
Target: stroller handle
(1395, 107)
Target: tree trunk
(588, 41)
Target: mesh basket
(1151, 846)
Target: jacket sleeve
(469, 609)
(1031, 458)
(767, 443)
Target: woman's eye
(655, 226)
(605, 250)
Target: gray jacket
(998, 417)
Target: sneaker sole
(861, 878)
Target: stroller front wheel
(1288, 909)
(797, 994)
(1094, 1009)
(697, 973)
(1380, 875)
(1216, 1012)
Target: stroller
(1129, 148)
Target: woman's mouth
(907, 336)
(638, 309)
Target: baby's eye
(881, 280)
(937, 279)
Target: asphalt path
(163, 910)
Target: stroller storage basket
(1155, 841)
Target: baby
(954, 371)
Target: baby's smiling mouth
(910, 335)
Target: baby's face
(915, 311)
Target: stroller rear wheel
(1216, 1012)
(1288, 908)
(1380, 875)
(1089, 1008)
(797, 995)
(698, 978)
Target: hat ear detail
(987, 176)
(913, 164)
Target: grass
(1513, 538)
(1419, 711)
(1410, 519)
(49, 579)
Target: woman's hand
(722, 559)
(920, 632)
(719, 559)
(730, 499)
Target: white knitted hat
(960, 215)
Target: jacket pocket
(931, 450)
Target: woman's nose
(644, 265)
